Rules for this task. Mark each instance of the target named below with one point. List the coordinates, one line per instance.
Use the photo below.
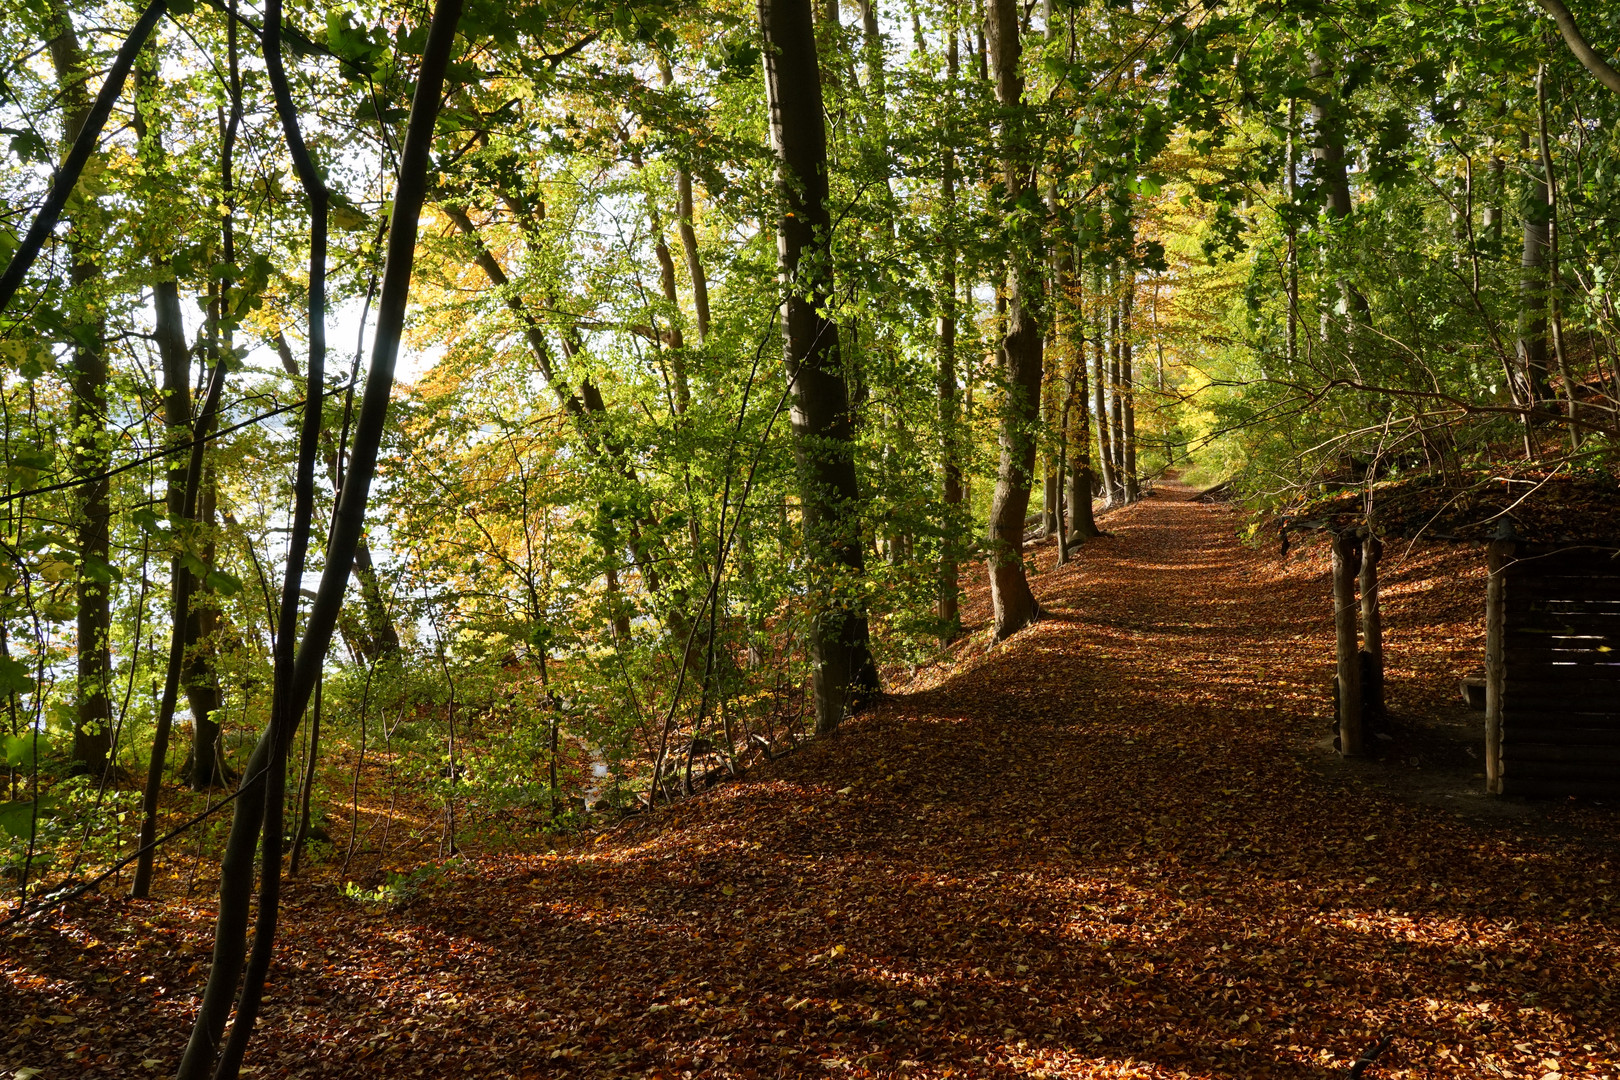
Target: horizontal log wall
(1558, 713)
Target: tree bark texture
(1023, 348)
(1346, 565)
(1372, 630)
(950, 409)
(1082, 522)
(1099, 381)
(1127, 384)
(92, 724)
(1532, 324)
(843, 673)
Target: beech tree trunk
(1127, 385)
(1116, 401)
(1082, 522)
(843, 673)
(1023, 348)
(1532, 324)
(87, 411)
(1329, 156)
(1099, 374)
(684, 225)
(694, 260)
(950, 409)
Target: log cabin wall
(1553, 672)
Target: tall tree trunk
(258, 809)
(1291, 284)
(1554, 284)
(950, 409)
(1328, 153)
(843, 670)
(92, 724)
(684, 223)
(1051, 459)
(1532, 324)
(673, 341)
(1492, 215)
(1127, 383)
(1023, 348)
(203, 694)
(694, 259)
(1116, 400)
(181, 578)
(1099, 375)
(1082, 522)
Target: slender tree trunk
(1127, 384)
(1099, 374)
(1023, 348)
(380, 637)
(1051, 459)
(841, 659)
(84, 123)
(1329, 155)
(1492, 216)
(257, 811)
(1554, 286)
(204, 696)
(950, 410)
(306, 790)
(92, 724)
(1292, 233)
(1116, 400)
(181, 587)
(684, 222)
(586, 409)
(673, 341)
(1082, 522)
(1532, 326)
(694, 261)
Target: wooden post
(1496, 557)
(1372, 629)
(1346, 564)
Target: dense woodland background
(729, 341)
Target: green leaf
(99, 571)
(17, 818)
(222, 583)
(21, 750)
(15, 678)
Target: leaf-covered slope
(1108, 848)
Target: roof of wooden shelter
(1540, 509)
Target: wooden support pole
(1372, 629)
(1496, 557)
(1346, 565)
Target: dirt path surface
(1107, 848)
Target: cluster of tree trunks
(1359, 675)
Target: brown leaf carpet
(1111, 847)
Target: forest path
(1106, 848)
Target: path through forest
(1109, 848)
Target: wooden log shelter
(1552, 670)
(1552, 622)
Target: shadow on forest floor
(1109, 847)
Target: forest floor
(1114, 846)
